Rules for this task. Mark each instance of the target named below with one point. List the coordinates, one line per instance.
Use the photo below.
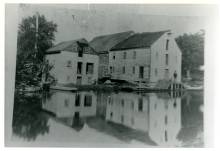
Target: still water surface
(101, 119)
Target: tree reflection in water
(192, 120)
(28, 121)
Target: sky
(90, 21)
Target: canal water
(108, 119)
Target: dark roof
(139, 40)
(72, 46)
(106, 42)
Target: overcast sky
(95, 20)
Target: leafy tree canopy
(192, 47)
(27, 35)
(29, 62)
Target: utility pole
(36, 35)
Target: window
(69, 63)
(88, 100)
(141, 72)
(134, 55)
(111, 69)
(77, 102)
(167, 59)
(133, 70)
(113, 56)
(89, 68)
(79, 68)
(124, 55)
(123, 70)
(111, 115)
(167, 44)
(155, 72)
(80, 51)
(140, 104)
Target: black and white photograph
(107, 75)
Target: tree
(28, 120)
(27, 38)
(192, 47)
(29, 62)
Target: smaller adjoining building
(73, 62)
(148, 57)
(102, 45)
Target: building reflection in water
(70, 108)
(128, 109)
(153, 115)
(159, 115)
(165, 119)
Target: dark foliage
(29, 62)
(28, 121)
(192, 47)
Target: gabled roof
(72, 46)
(104, 43)
(139, 40)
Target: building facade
(157, 115)
(102, 45)
(146, 57)
(73, 62)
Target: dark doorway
(77, 102)
(79, 68)
(141, 72)
(88, 100)
(89, 68)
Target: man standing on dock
(175, 76)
